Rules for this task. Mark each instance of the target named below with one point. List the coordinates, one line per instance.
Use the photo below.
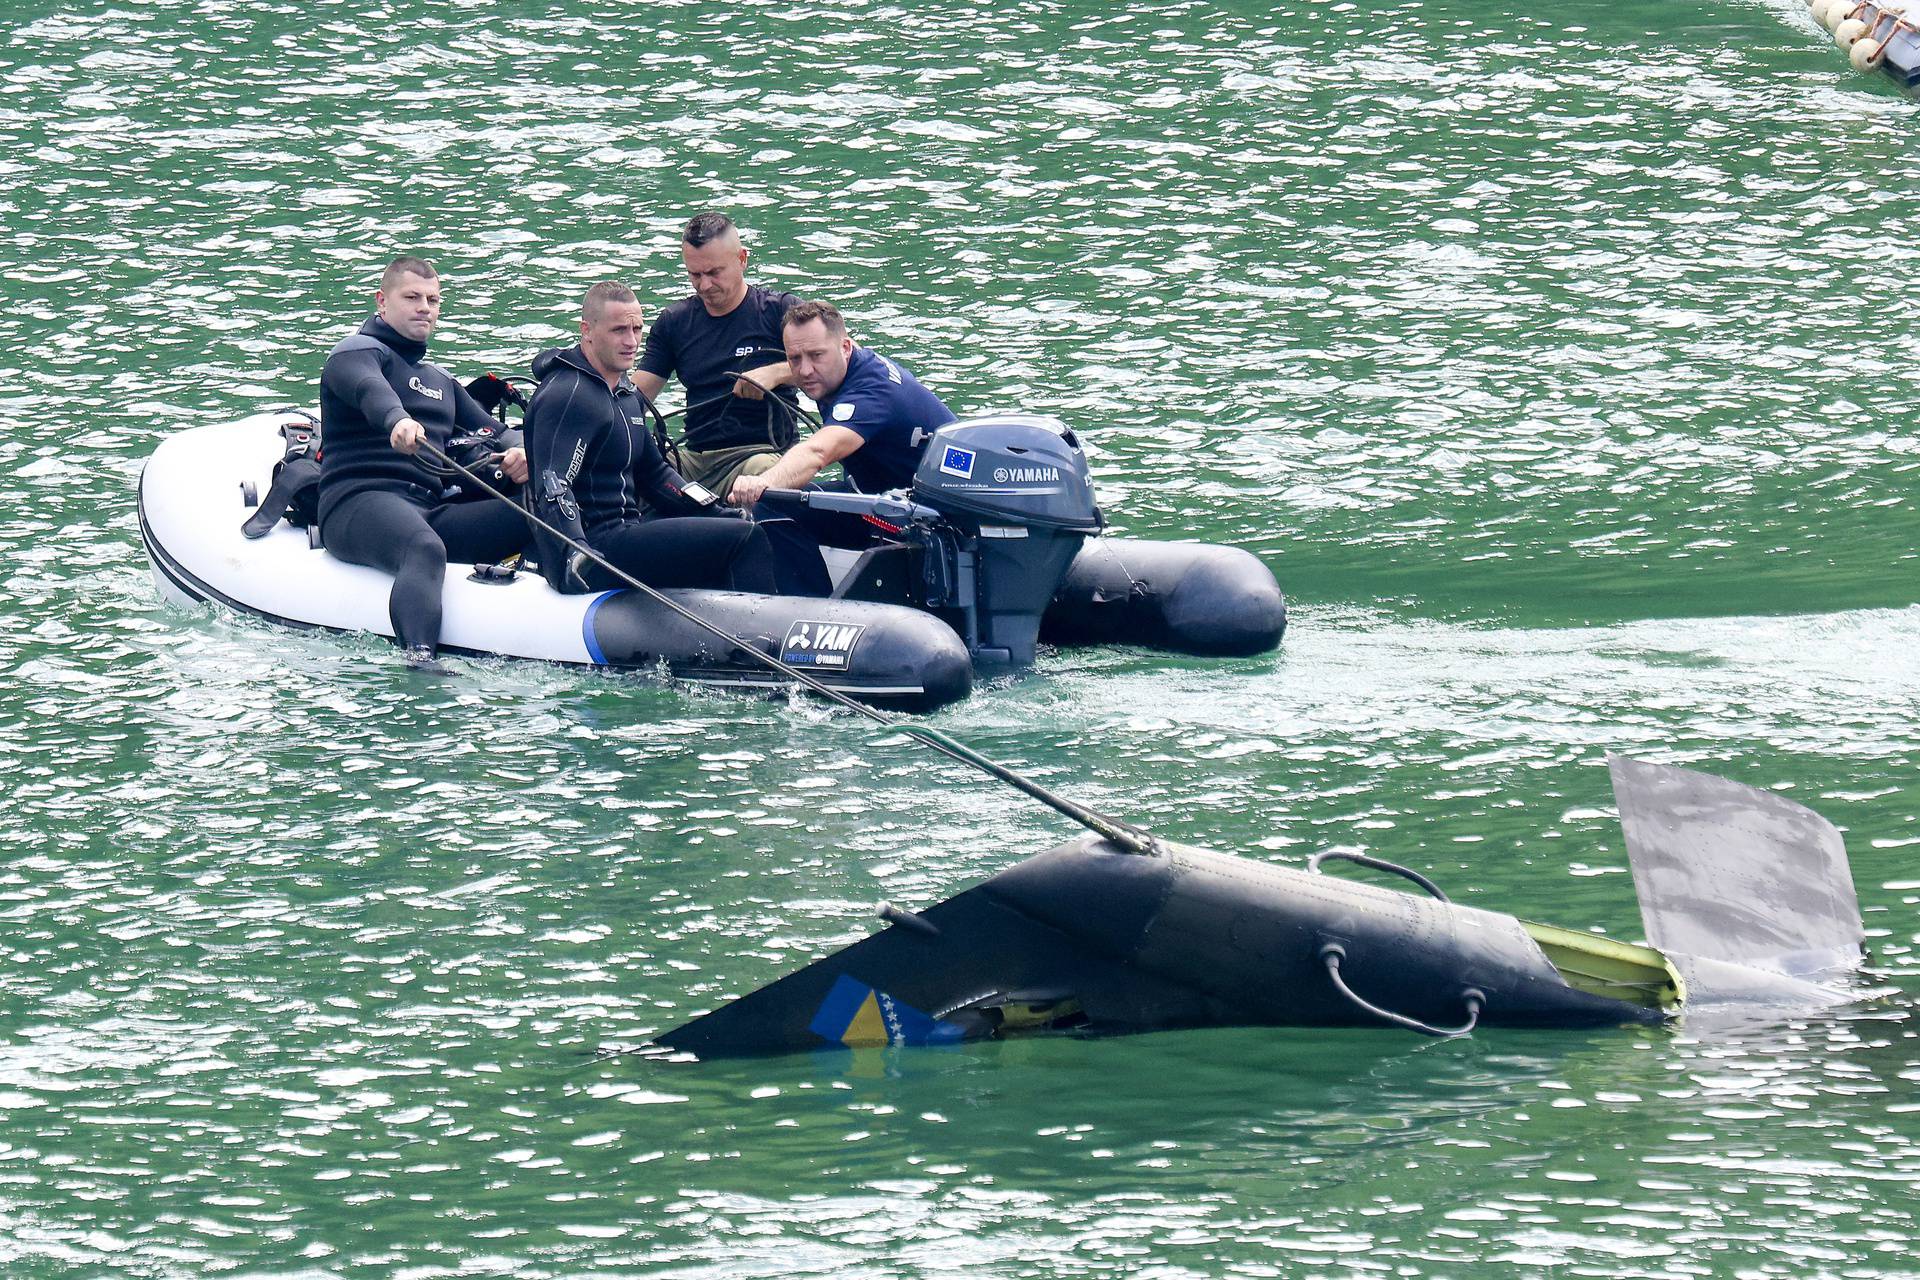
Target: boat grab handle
(1378, 864)
(1332, 953)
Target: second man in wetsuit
(586, 429)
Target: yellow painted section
(1603, 967)
(1023, 1017)
(867, 1027)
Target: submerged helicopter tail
(1745, 896)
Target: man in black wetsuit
(734, 426)
(875, 417)
(379, 505)
(586, 428)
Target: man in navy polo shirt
(870, 410)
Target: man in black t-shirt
(736, 425)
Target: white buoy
(1836, 14)
(1866, 54)
(1847, 32)
(1820, 9)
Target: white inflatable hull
(194, 497)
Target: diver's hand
(408, 436)
(747, 490)
(748, 387)
(513, 464)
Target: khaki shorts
(719, 468)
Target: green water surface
(1557, 358)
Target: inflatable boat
(993, 550)
(1746, 899)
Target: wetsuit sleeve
(355, 376)
(659, 356)
(561, 426)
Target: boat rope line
(1125, 834)
(797, 419)
(799, 415)
(1325, 856)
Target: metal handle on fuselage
(1332, 953)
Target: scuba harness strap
(295, 492)
(556, 530)
(481, 450)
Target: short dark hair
(594, 305)
(825, 312)
(406, 265)
(703, 227)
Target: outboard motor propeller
(1018, 497)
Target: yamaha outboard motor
(1018, 499)
(999, 508)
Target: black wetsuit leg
(479, 530)
(686, 551)
(414, 542)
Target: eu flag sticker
(957, 462)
